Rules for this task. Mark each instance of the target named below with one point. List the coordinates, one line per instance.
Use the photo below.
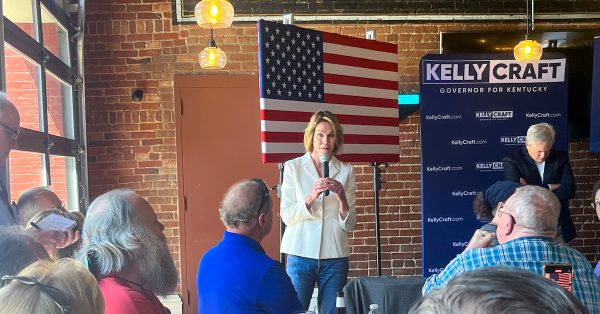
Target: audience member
(35, 200)
(17, 250)
(596, 206)
(124, 247)
(526, 229)
(486, 203)
(67, 251)
(499, 290)
(236, 276)
(537, 163)
(35, 204)
(49, 287)
(10, 124)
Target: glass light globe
(212, 58)
(528, 50)
(214, 13)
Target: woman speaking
(319, 211)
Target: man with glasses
(10, 122)
(35, 200)
(9, 131)
(527, 225)
(236, 276)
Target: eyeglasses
(12, 133)
(58, 297)
(265, 190)
(500, 212)
(59, 208)
(595, 204)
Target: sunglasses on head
(264, 188)
(58, 297)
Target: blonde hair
(323, 116)
(66, 275)
(541, 133)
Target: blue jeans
(330, 275)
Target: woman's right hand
(320, 186)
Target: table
(392, 294)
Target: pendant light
(528, 50)
(214, 13)
(212, 57)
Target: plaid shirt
(529, 253)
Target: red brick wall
(131, 144)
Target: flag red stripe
(360, 101)
(297, 137)
(281, 137)
(360, 81)
(359, 42)
(296, 116)
(281, 157)
(359, 62)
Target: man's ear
(509, 224)
(262, 220)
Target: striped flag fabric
(562, 279)
(304, 70)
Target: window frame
(42, 141)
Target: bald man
(10, 127)
(236, 276)
(35, 200)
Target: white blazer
(318, 232)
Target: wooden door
(218, 144)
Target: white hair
(109, 239)
(535, 208)
(499, 290)
(541, 133)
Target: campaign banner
(475, 109)
(595, 112)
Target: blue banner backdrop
(595, 113)
(475, 109)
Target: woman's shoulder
(298, 160)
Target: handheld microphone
(325, 168)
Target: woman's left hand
(335, 187)
(338, 188)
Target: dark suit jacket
(557, 170)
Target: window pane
(63, 179)
(60, 107)
(25, 172)
(22, 83)
(20, 12)
(56, 38)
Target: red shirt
(119, 298)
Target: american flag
(562, 279)
(303, 71)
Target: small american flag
(303, 71)
(562, 279)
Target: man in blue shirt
(236, 276)
(526, 229)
